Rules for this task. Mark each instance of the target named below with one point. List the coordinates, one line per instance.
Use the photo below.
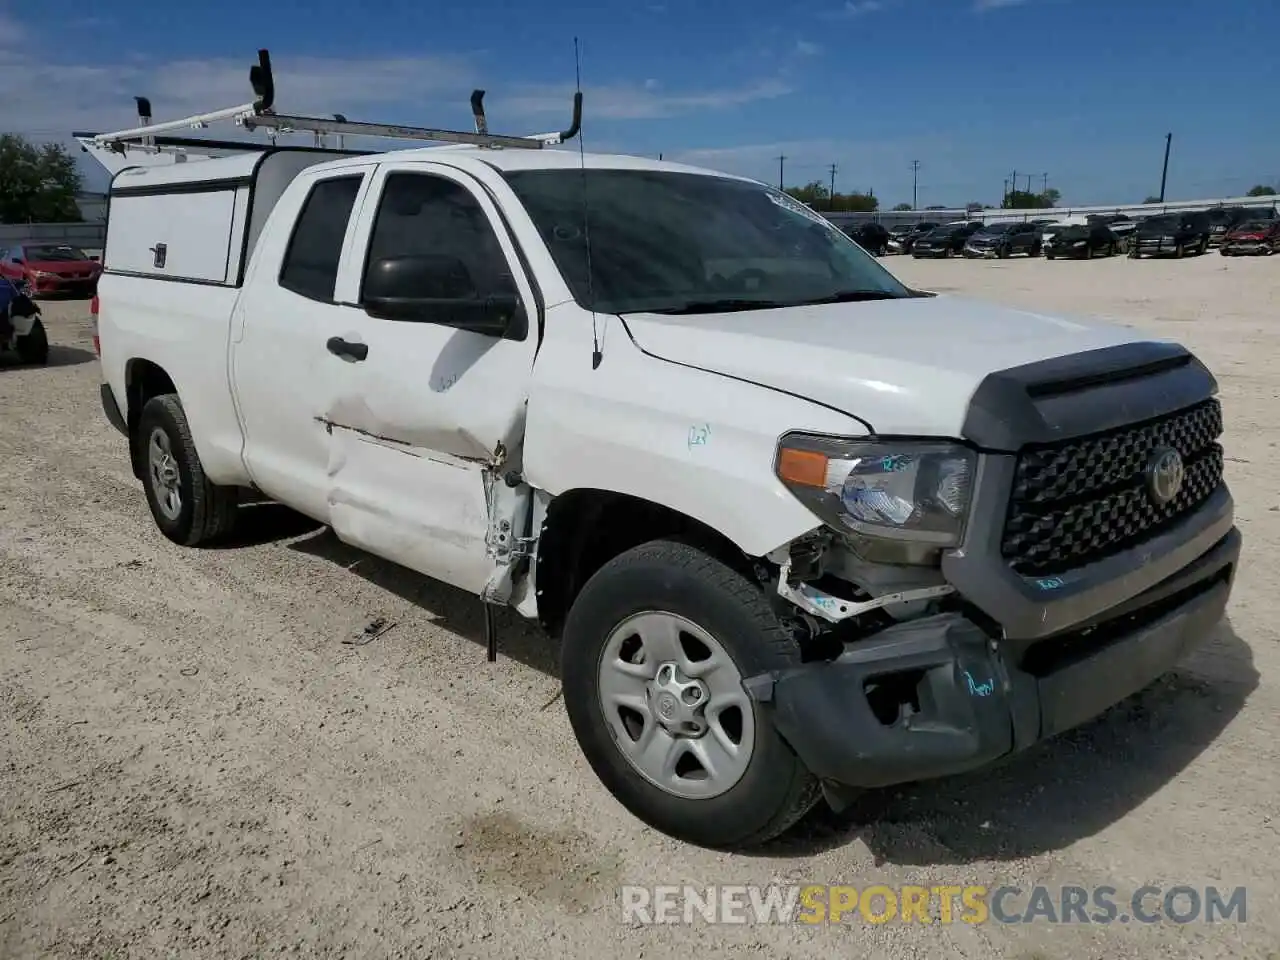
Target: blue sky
(1083, 90)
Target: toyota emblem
(1165, 475)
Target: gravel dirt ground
(193, 763)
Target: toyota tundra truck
(800, 529)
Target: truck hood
(907, 366)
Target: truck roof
(245, 165)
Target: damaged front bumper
(942, 694)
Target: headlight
(1167, 239)
(1080, 243)
(897, 490)
(43, 274)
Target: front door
(432, 419)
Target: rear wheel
(654, 654)
(34, 347)
(188, 508)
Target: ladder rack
(259, 114)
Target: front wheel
(188, 508)
(653, 658)
(33, 347)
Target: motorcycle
(21, 328)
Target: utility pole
(659, 156)
(915, 181)
(1013, 181)
(831, 197)
(1028, 183)
(1046, 182)
(1164, 174)
(781, 161)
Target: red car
(1252, 236)
(51, 268)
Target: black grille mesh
(1082, 500)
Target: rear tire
(34, 347)
(679, 586)
(188, 508)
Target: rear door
(283, 370)
(433, 418)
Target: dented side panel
(410, 506)
(422, 427)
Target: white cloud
(981, 6)
(856, 8)
(805, 48)
(47, 96)
(626, 102)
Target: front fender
(697, 442)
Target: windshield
(54, 252)
(1163, 223)
(1254, 225)
(679, 242)
(996, 228)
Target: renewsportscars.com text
(945, 904)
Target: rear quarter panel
(183, 328)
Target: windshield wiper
(726, 305)
(849, 296)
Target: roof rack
(260, 114)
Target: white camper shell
(209, 235)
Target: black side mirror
(434, 288)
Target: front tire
(188, 508)
(654, 652)
(34, 346)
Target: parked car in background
(1122, 225)
(1171, 233)
(946, 241)
(1081, 241)
(51, 268)
(1256, 236)
(1222, 219)
(1004, 240)
(870, 236)
(903, 238)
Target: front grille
(1077, 502)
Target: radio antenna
(596, 355)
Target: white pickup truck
(800, 529)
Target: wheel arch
(585, 528)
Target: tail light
(93, 315)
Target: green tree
(812, 193)
(903, 206)
(38, 184)
(1261, 190)
(937, 206)
(1153, 200)
(820, 198)
(1025, 200)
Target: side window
(310, 266)
(420, 215)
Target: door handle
(345, 348)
